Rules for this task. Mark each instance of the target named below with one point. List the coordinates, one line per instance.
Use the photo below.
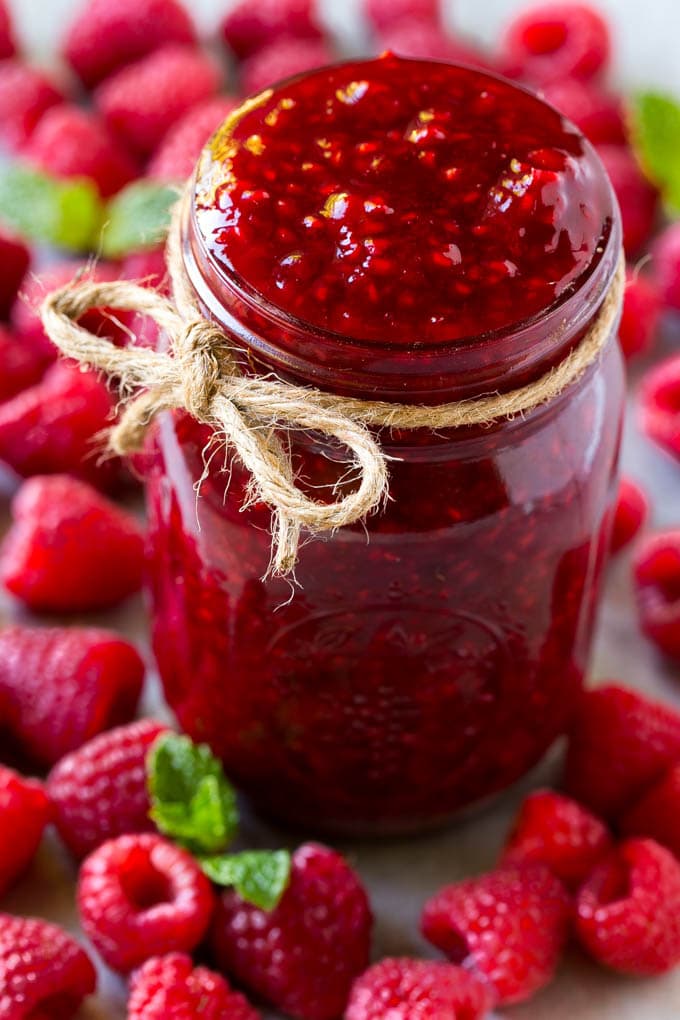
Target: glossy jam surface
(402, 200)
(430, 657)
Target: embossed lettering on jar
(414, 232)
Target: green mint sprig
(67, 214)
(137, 217)
(655, 132)
(194, 804)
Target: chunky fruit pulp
(429, 657)
(405, 200)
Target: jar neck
(274, 341)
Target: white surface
(402, 874)
(646, 31)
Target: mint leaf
(137, 217)
(259, 876)
(41, 208)
(656, 136)
(192, 801)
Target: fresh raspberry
(170, 986)
(7, 45)
(629, 515)
(140, 896)
(425, 41)
(24, 813)
(72, 142)
(141, 103)
(26, 312)
(44, 973)
(599, 115)
(21, 366)
(659, 404)
(637, 198)
(146, 267)
(282, 60)
(641, 314)
(15, 259)
(557, 40)
(70, 549)
(620, 743)
(510, 925)
(628, 912)
(61, 686)
(304, 955)
(657, 590)
(404, 989)
(106, 36)
(657, 813)
(177, 156)
(666, 265)
(56, 427)
(556, 831)
(25, 96)
(383, 14)
(100, 790)
(249, 27)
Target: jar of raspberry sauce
(420, 233)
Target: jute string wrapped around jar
(200, 373)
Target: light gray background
(401, 874)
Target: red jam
(453, 236)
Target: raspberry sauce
(429, 658)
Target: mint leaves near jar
(655, 132)
(194, 804)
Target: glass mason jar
(429, 656)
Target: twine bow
(200, 374)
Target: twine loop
(255, 414)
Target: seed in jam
(404, 199)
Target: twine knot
(200, 373)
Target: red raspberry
(106, 36)
(657, 590)
(558, 40)
(425, 41)
(637, 198)
(56, 427)
(147, 267)
(24, 813)
(60, 686)
(304, 955)
(600, 116)
(100, 790)
(510, 925)
(170, 986)
(26, 312)
(659, 406)
(7, 45)
(630, 514)
(72, 142)
(383, 14)
(21, 366)
(140, 896)
(44, 973)
(620, 743)
(141, 103)
(249, 27)
(666, 265)
(25, 95)
(559, 833)
(15, 259)
(282, 60)
(657, 813)
(628, 912)
(176, 158)
(641, 314)
(424, 989)
(70, 549)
